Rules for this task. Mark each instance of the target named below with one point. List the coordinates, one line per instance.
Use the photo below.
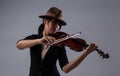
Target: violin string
(64, 38)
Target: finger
(92, 45)
(47, 39)
(91, 48)
(96, 47)
(50, 39)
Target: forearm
(27, 43)
(70, 66)
(80, 58)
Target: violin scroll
(103, 54)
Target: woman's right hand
(47, 40)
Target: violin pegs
(80, 32)
(107, 55)
(103, 54)
(102, 58)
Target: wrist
(86, 52)
(38, 41)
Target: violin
(76, 44)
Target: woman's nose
(57, 27)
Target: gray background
(98, 20)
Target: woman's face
(52, 26)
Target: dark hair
(41, 28)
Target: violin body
(76, 44)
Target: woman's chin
(52, 32)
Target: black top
(47, 66)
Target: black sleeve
(63, 60)
(33, 36)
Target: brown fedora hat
(54, 13)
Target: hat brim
(62, 23)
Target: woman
(44, 57)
